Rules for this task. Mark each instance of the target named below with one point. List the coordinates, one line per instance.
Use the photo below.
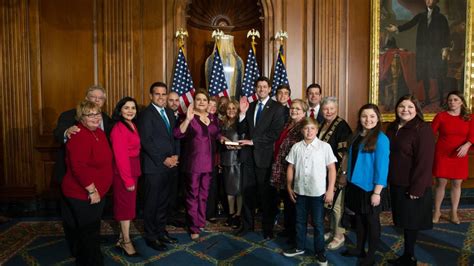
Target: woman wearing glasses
(87, 180)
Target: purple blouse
(199, 144)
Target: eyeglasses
(94, 98)
(93, 115)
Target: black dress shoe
(366, 261)
(353, 253)
(177, 223)
(403, 260)
(241, 231)
(283, 233)
(156, 245)
(268, 235)
(168, 239)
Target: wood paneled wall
(53, 50)
(15, 96)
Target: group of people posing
(299, 152)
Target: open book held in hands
(231, 143)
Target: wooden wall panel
(154, 47)
(15, 96)
(329, 35)
(121, 54)
(358, 48)
(66, 57)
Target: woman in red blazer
(87, 180)
(126, 148)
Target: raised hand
(190, 112)
(244, 104)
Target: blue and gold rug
(35, 242)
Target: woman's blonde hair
(86, 107)
(225, 120)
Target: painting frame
(375, 54)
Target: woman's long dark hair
(369, 140)
(117, 116)
(412, 99)
(465, 114)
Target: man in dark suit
(432, 46)
(314, 96)
(66, 128)
(283, 94)
(159, 165)
(175, 218)
(261, 122)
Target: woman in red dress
(455, 130)
(126, 148)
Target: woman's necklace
(95, 136)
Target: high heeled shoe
(454, 218)
(436, 217)
(195, 237)
(124, 251)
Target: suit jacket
(264, 134)
(430, 39)
(157, 142)
(200, 144)
(66, 120)
(319, 117)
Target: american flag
(182, 83)
(251, 74)
(217, 83)
(279, 74)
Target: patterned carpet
(36, 242)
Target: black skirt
(359, 200)
(412, 214)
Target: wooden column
(121, 53)
(15, 96)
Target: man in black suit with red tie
(160, 152)
(261, 122)
(314, 95)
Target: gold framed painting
(420, 47)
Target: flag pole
(253, 33)
(281, 36)
(180, 35)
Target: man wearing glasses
(66, 127)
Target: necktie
(165, 118)
(429, 17)
(311, 114)
(259, 111)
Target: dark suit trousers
(81, 223)
(157, 194)
(173, 206)
(256, 188)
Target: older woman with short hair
(290, 135)
(201, 130)
(335, 131)
(87, 180)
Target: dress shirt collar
(264, 101)
(158, 108)
(314, 143)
